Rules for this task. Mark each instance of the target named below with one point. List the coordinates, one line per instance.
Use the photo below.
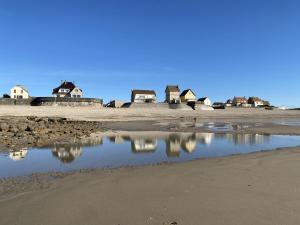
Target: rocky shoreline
(20, 132)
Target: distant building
(19, 92)
(172, 94)
(218, 105)
(115, 104)
(143, 96)
(6, 96)
(67, 90)
(255, 101)
(246, 105)
(188, 96)
(228, 103)
(267, 103)
(239, 101)
(205, 101)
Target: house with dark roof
(143, 96)
(239, 101)
(67, 90)
(172, 94)
(205, 101)
(255, 101)
(188, 96)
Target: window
(64, 90)
(21, 91)
(15, 91)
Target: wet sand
(260, 188)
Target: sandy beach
(258, 188)
(134, 114)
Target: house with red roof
(67, 90)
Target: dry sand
(255, 189)
(126, 114)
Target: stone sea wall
(52, 101)
(11, 101)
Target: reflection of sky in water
(290, 122)
(138, 149)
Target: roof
(218, 103)
(186, 91)
(150, 92)
(255, 99)
(21, 86)
(240, 98)
(172, 88)
(64, 85)
(202, 99)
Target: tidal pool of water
(136, 148)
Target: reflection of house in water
(90, 141)
(173, 145)
(247, 139)
(205, 138)
(67, 152)
(18, 155)
(143, 145)
(189, 143)
(116, 139)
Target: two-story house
(19, 92)
(172, 94)
(188, 96)
(143, 96)
(67, 89)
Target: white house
(143, 96)
(205, 101)
(67, 89)
(19, 92)
(255, 101)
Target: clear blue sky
(219, 48)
